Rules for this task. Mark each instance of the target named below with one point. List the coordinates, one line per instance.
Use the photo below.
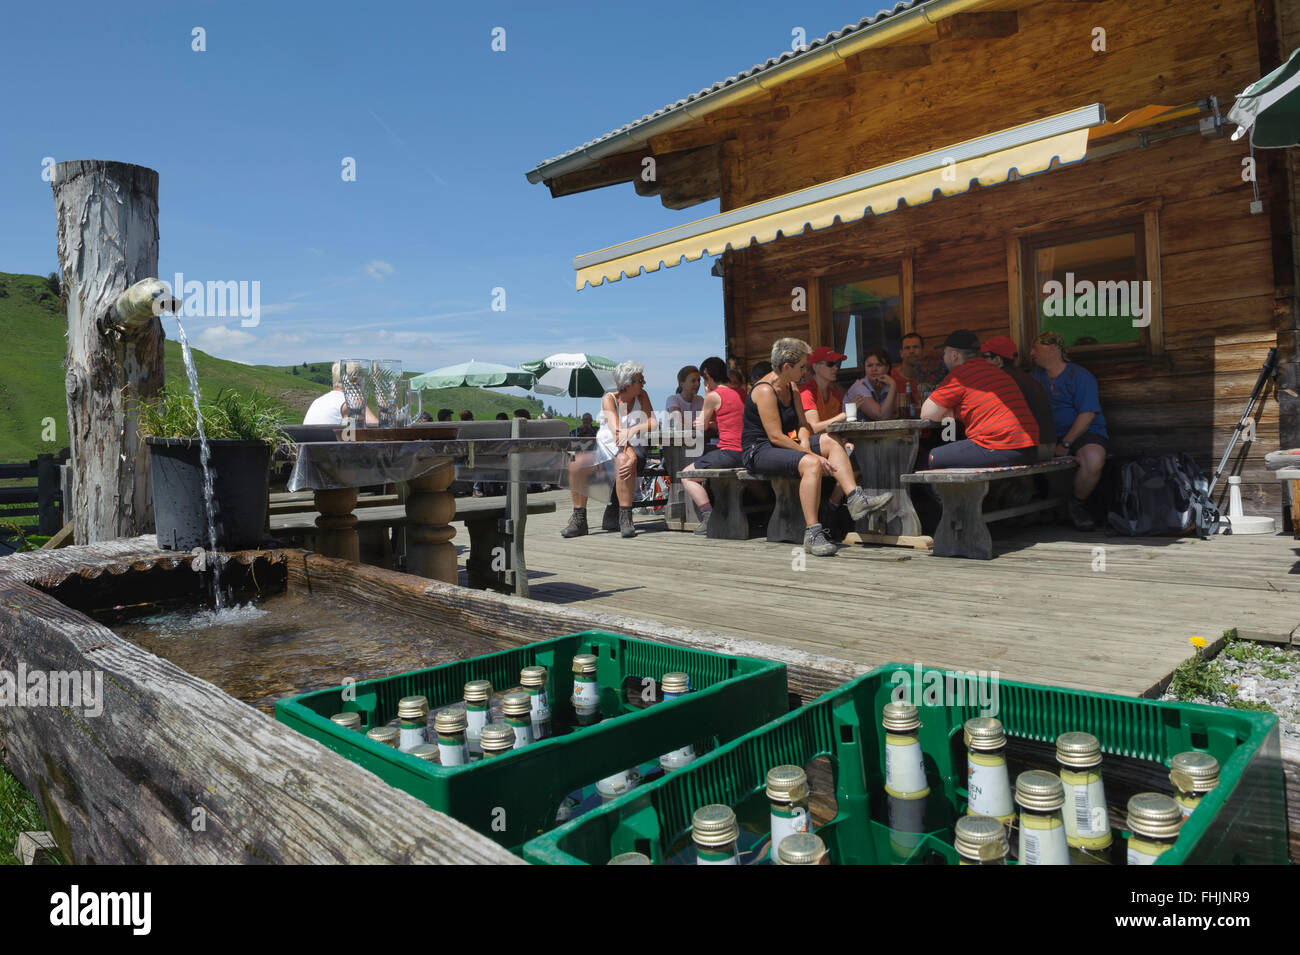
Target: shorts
(1090, 437)
(968, 454)
(767, 461)
(718, 458)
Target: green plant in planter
(230, 415)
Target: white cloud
(378, 269)
(385, 337)
(211, 339)
(281, 338)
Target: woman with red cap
(823, 403)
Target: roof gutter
(879, 33)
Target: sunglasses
(832, 364)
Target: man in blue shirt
(1080, 425)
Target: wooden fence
(46, 495)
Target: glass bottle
(803, 848)
(350, 720)
(1087, 821)
(987, 782)
(413, 722)
(497, 739)
(517, 707)
(904, 766)
(449, 726)
(1040, 796)
(533, 679)
(384, 735)
(478, 697)
(980, 840)
(630, 858)
(714, 831)
(1193, 774)
(674, 685)
(787, 791)
(1153, 821)
(425, 751)
(586, 691)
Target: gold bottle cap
(497, 738)
(800, 848)
(675, 682)
(533, 676)
(787, 784)
(984, 733)
(1078, 750)
(387, 735)
(1194, 772)
(900, 716)
(1154, 815)
(714, 826)
(517, 703)
(349, 721)
(450, 721)
(630, 858)
(412, 708)
(478, 691)
(426, 751)
(981, 837)
(584, 663)
(1040, 791)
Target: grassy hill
(33, 327)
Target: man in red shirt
(1000, 428)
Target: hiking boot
(610, 520)
(860, 505)
(702, 528)
(577, 526)
(815, 542)
(1079, 515)
(625, 525)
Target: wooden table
(334, 470)
(885, 451)
(680, 512)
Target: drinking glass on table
(386, 374)
(355, 377)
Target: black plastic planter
(240, 473)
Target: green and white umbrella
(577, 374)
(1270, 108)
(474, 374)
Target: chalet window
(1094, 288)
(865, 313)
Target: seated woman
(726, 406)
(772, 409)
(687, 403)
(620, 445)
(876, 392)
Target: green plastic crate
(1241, 821)
(512, 798)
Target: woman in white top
(687, 402)
(876, 393)
(620, 445)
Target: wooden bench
(963, 528)
(729, 520)
(483, 517)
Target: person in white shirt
(329, 407)
(687, 402)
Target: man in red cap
(1001, 352)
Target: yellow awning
(1016, 152)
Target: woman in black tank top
(772, 410)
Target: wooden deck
(1037, 612)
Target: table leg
(430, 509)
(337, 523)
(680, 511)
(883, 461)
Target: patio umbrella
(576, 374)
(474, 374)
(1270, 108)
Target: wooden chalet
(937, 165)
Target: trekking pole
(1264, 374)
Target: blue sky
(249, 137)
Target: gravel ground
(1260, 673)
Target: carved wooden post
(430, 509)
(108, 240)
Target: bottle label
(989, 786)
(410, 737)
(1141, 852)
(1087, 823)
(1187, 804)
(541, 703)
(1042, 840)
(452, 753)
(723, 856)
(523, 732)
(586, 696)
(904, 770)
(541, 724)
(475, 719)
(786, 821)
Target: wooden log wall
(1220, 292)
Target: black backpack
(1164, 495)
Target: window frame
(822, 332)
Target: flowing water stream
(205, 456)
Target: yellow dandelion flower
(1198, 642)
